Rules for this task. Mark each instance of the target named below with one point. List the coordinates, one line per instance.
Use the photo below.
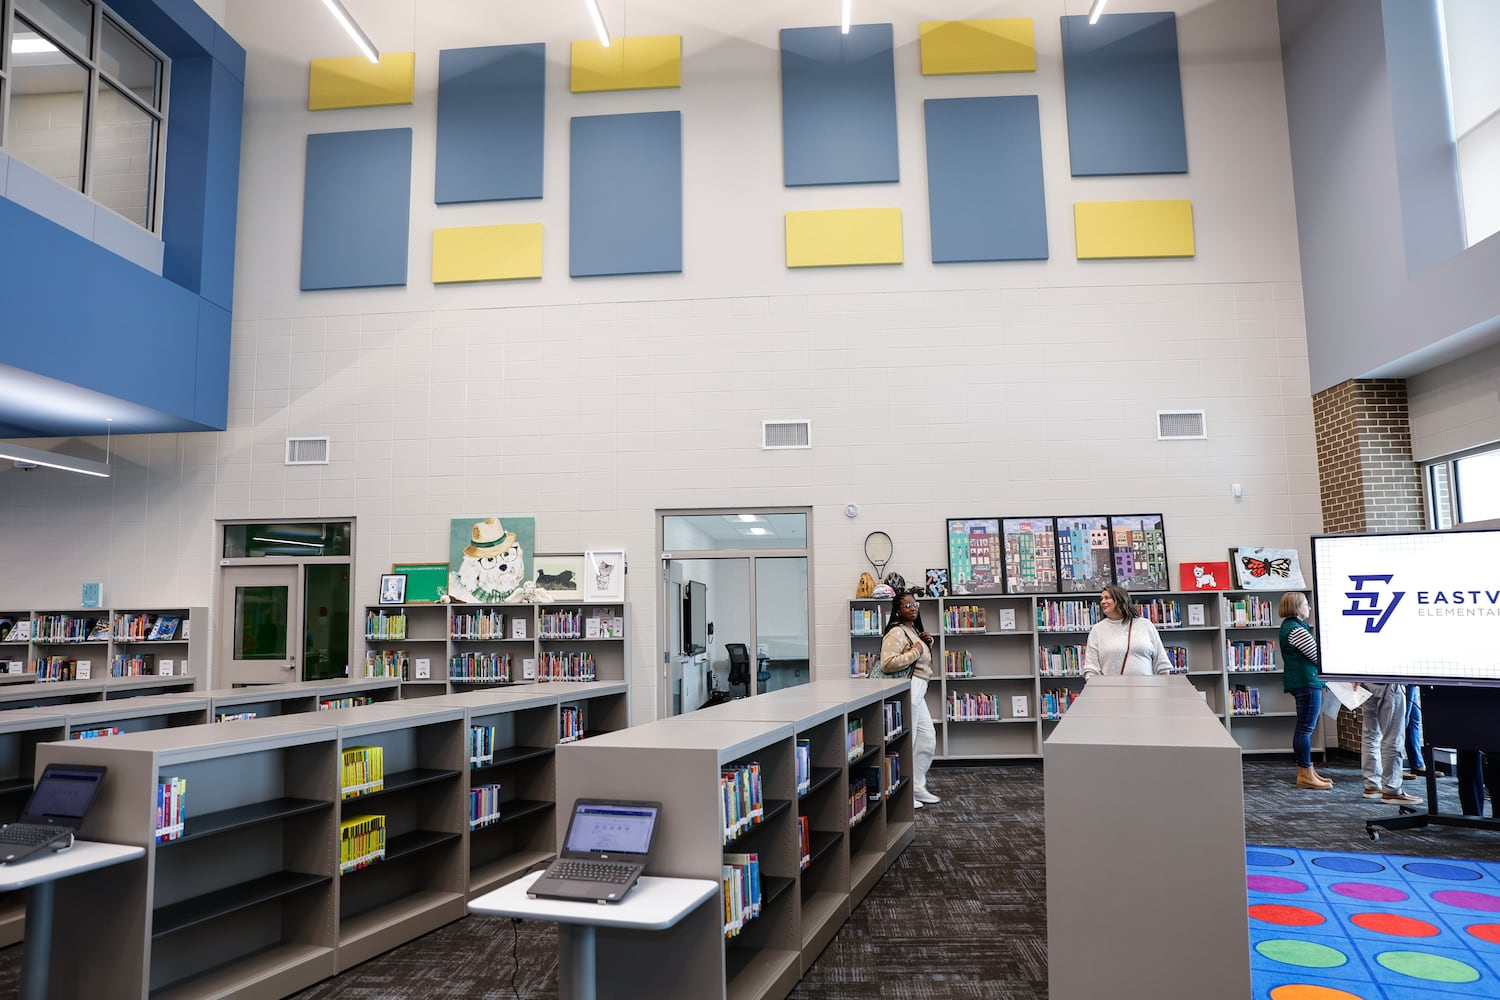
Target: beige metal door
(261, 606)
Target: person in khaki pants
(1382, 726)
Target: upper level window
(1464, 489)
(1471, 31)
(82, 100)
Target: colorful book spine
(859, 802)
(1179, 657)
(94, 734)
(1244, 700)
(484, 806)
(361, 842)
(862, 664)
(233, 716)
(802, 762)
(855, 742)
(1055, 702)
(1067, 615)
(1250, 657)
(570, 723)
(741, 799)
(479, 625)
(170, 793)
(140, 665)
(742, 900)
(387, 662)
(481, 746)
(804, 841)
(562, 625)
(973, 706)
(865, 622)
(895, 722)
(893, 778)
(958, 663)
(964, 619)
(384, 626)
(557, 666)
(354, 701)
(363, 771)
(489, 667)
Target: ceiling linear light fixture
(342, 15)
(31, 46)
(285, 541)
(1096, 10)
(599, 26)
(25, 457)
(844, 25)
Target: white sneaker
(916, 805)
(923, 795)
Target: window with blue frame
(83, 100)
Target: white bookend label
(1007, 619)
(591, 628)
(85, 670)
(166, 668)
(1019, 706)
(1195, 614)
(518, 628)
(423, 668)
(528, 667)
(13, 667)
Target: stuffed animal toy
(529, 593)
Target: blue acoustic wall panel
(984, 179)
(1124, 93)
(625, 194)
(356, 209)
(491, 104)
(838, 106)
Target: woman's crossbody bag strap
(1126, 658)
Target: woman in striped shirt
(1299, 661)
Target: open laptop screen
(63, 793)
(611, 828)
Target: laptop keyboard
(28, 834)
(590, 871)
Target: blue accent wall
(985, 193)
(490, 115)
(1124, 95)
(838, 105)
(356, 209)
(625, 191)
(87, 316)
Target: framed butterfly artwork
(1258, 568)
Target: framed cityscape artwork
(1083, 554)
(1138, 552)
(1030, 547)
(974, 556)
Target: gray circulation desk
(1145, 847)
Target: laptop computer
(603, 854)
(54, 812)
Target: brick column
(1366, 476)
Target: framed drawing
(426, 583)
(1083, 554)
(393, 588)
(1138, 550)
(561, 575)
(937, 583)
(488, 557)
(1259, 568)
(1030, 547)
(604, 575)
(1203, 576)
(974, 557)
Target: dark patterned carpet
(960, 916)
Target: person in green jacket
(1299, 659)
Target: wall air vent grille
(307, 451)
(782, 434)
(1180, 425)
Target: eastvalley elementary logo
(1366, 603)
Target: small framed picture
(1259, 568)
(560, 575)
(604, 575)
(393, 588)
(937, 582)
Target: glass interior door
(781, 641)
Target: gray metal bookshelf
(244, 902)
(453, 648)
(110, 643)
(1003, 659)
(678, 762)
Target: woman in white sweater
(1125, 642)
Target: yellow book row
(364, 771)
(361, 842)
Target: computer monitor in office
(695, 617)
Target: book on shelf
(569, 723)
(870, 775)
(93, 596)
(741, 799)
(854, 743)
(1007, 619)
(484, 806)
(15, 666)
(1055, 702)
(802, 760)
(1020, 706)
(1195, 615)
(168, 667)
(363, 771)
(859, 802)
(170, 794)
(234, 716)
(892, 770)
(361, 842)
(352, 701)
(99, 630)
(165, 627)
(84, 670)
(804, 841)
(973, 706)
(481, 746)
(1244, 700)
(895, 723)
(94, 734)
(20, 631)
(742, 891)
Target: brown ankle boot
(1308, 778)
(1319, 777)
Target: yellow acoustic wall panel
(843, 237)
(487, 253)
(998, 45)
(1109, 229)
(355, 82)
(650, 62)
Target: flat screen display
(1416, 606)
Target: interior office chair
(739, 665)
